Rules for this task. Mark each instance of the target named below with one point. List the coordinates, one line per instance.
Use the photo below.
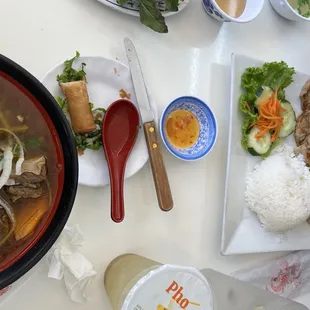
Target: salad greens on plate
(151, 16)
(268, 116)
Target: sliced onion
(10, 182)
(7, 166)
(10, 213)
(21, 158)
(1, 164)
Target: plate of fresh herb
(84, 87)
(152, 13)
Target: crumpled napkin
(287, 276)
(65, 262)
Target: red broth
(33, 215)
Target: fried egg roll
(78, 104)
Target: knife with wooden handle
(152, 139)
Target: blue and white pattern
(207, 122)
(211, 10)
(132, 6)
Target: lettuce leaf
(272, 74)
(245, 129)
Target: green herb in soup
(301, 6)
(85, 121)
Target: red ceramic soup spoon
(119, 134)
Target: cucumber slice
(253, 152)
(289, 120)
(265, 93)
(260, 146)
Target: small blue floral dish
(207, 123)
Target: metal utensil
(158, 168)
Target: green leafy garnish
(151, 17)
(32, 144)
(70, 74)
(100, 109)
(273, 75)
(303, 8)
(245, 130)
(172, 5)
(64, 106)
(61, 102)
(84, 142)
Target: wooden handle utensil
(158, 167)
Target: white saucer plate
(105, 78)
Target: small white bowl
(283, 8)
(251, 11)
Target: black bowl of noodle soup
(38, 171)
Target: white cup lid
(170, 287)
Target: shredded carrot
(269, 117)
(252, 125)
(247, 106)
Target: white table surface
(192, 59)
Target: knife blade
(161, 181)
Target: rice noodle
(10, 182)
(10, 213)
(1, 164)
(18, 167)
(7, 166)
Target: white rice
(278, 190)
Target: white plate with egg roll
(107, 81)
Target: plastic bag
(288, 276)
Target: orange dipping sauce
(182, 129)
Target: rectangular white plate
(242, 232)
